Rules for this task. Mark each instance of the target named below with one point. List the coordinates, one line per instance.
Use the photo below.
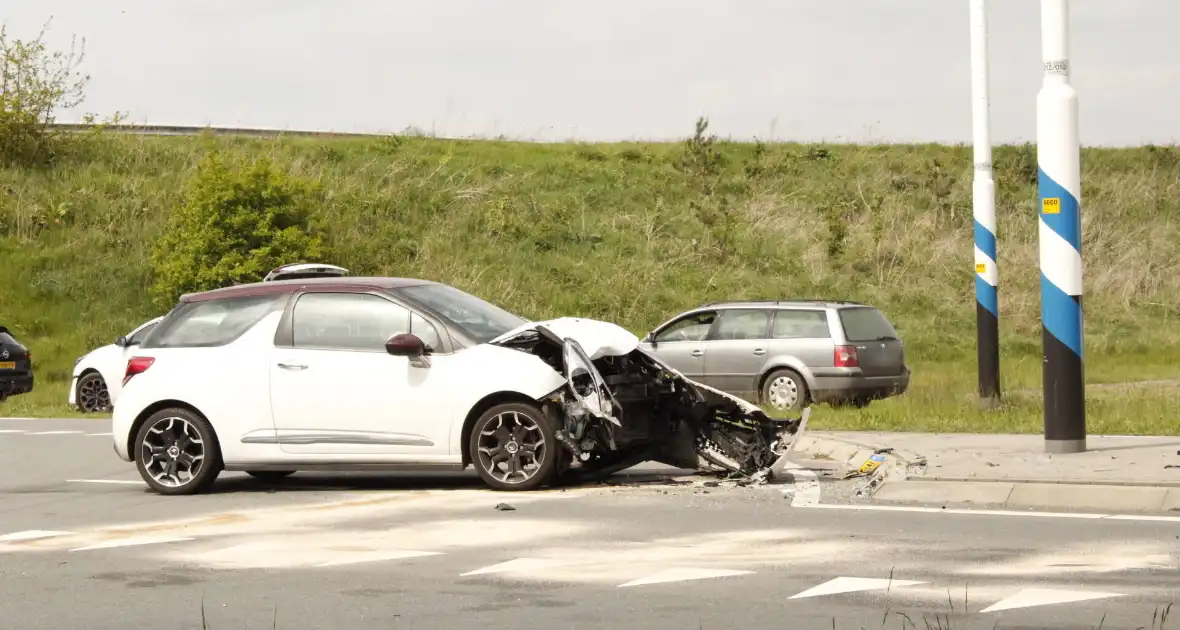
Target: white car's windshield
(479, 319)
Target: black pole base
(987, 340)
(1065, 399)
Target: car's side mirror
(408, 345)
(122, 342)
(405, 345)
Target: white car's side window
(140, 334)
(424, 331)
(347, 321)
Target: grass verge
(627, 233)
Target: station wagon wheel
(784, 390)
(176, 452)
(93, 394)
(513, 447)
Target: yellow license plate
(8, 365)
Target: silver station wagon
(786, 354)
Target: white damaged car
(353, 373)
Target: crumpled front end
(622, 406)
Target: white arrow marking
(681, 574)
(519, 564)
(32, 534)
(852, 585)
(132, 542)
(1043, 597)
(379, 556)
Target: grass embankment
(618, 232)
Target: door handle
(698, 353)
(293, 366)
(759, 351)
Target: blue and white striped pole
(987, 275)
(1059, 188)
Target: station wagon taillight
(137, 365)
(845, 356)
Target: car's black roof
(279, 287)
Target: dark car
(16, 366)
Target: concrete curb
(850, 456)
(1030, 494)
(900, 480)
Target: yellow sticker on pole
(980, 267)
(1051, 205)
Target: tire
(176, 422)
(513, 415)
(270, 476)
(93, 381)
(792, 382)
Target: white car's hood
(597, 338)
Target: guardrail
(187, 130)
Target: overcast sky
(843, 70)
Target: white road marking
(840, 585)
(98, 434)
(135, 482)
(398, 554)
(32, 534)
(519, 564)
(3, 419)
(1042, 597)
(12, 430)
(132, 542)
(805, 487)
(54, 432)
(680, 574)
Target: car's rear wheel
(177, 452)
(513, 447)
(92, 393)
(784, 390)
(270, 475)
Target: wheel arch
(478, 409)
(159, 406)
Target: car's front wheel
(92, 394)
(177, 452)
(513, 447)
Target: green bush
(236, 222)
(33, 83)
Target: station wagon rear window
(866, 324)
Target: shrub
(235, 223)
(33, 83)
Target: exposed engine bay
(626, 407)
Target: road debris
(504, 507)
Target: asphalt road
(83, 544)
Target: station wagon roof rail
(782, 302)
